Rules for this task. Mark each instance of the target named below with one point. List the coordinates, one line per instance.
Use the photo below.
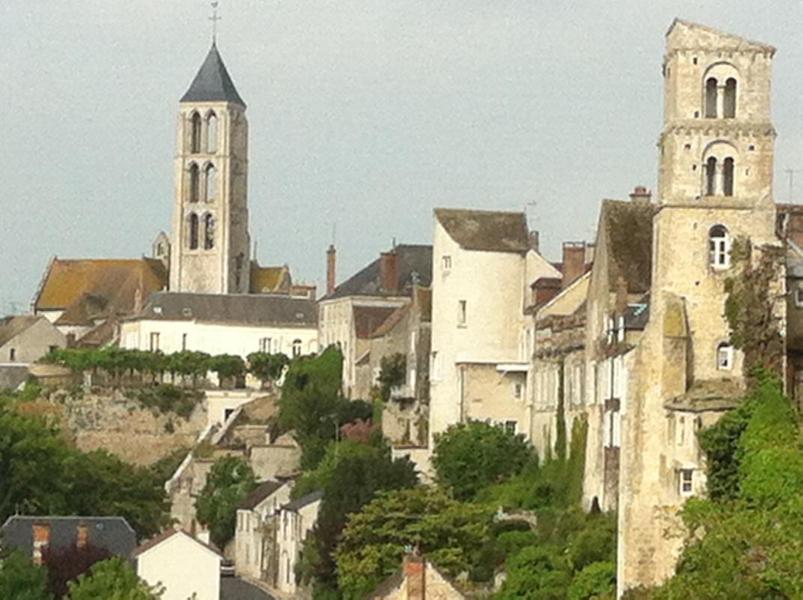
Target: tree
(67, 563)
(112, 579)
(267, 367)
(446, 531)
(536, 573)
(471, 456)
(20, 579)
(228, 367)
(229, 481)
(392, 373)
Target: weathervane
(214, 18)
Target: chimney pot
(640, 194)
(574, 262)
(331, 255)
(82, 536)
(415, 573)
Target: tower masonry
(210, 251)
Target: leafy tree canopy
(21, 579)
(267, 367)
(229, 481)
(112, 579)
(392, 373)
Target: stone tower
(715, 185)
(210, 251)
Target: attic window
(157, 310)
(187, 312)
(299, 316)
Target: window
(799, 297)
(12, 354)
(729, 101)
(183, 341)
(195, 133)
(194, 183)
(510, 426)
(727, 177)
(211, 133)
(434, 366)
(686, 482)
(446, 261)
(227, 413)
(711, 176)
(724, 357)
(193, 237)
(413, 341)
(296, 348)
(719, 247)
(711, 98)
(209, 231)
(210, 180)
(264, 344)
(461, 313)
(154, 341)
(517, 389)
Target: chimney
(41, 539)
(331, 254)
(532, 240)
(389, 271)
(82, 536)
(640, 194)
(544, 289)
(574, 262)
(415, 572)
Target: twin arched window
(194, 224)
(719, 180)
(719, 247)
(198, 134)
(209, 190)
(716, 105)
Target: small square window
(694, 60)
(686, 486)
(724, 357)
(517, 390)
(446, 261)
(510, 426)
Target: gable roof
(86, 289)
(627, 231)
(414, 265)
(213, 83)
(268, 280)
(113, 534)
(485, 230)
(262, 491)
(369, 319)
(715, 37)
(300, 503)
(166, 535)
(248, 309)
(11, 327)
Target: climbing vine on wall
(751, 305)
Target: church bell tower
(210, 252)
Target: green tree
(392, 373)
(448, 532)
(229, 481)
(228, 367)
(596, 581)
(536, 573)
(267, 367)
(112, 579)
(471, 456)
(20, 579)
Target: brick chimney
(533, 240)
(331, 255)
(640, 194)
(82, 536)
(415, 572)
(574, 262)
(544, 289)
(41, 538)
(389, 271)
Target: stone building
(296, 519)
(26, 338)
(418, 579)
(715, 184)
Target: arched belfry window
(193, 225)
(211, 133)
(194, 189)
(727, 177)
(210, 175)
(729, 100)
(719, 247)
(711, 98)
(711, 176)
(195, 133)
(209, 232)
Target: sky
(364, 115)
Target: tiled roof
(213, 82)
(268, 280)
(10, 327)
(96, 288)
(414, 264)
(368, 319)
(262, 491)
(113, 534)
(249, 309)
(485, 230)
(300, 503)
(627, 227)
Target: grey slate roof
(414, 262)
(245, 309)
(262, 491)
(113, 534)
(300, 503)
(213, 83)
(485, 230)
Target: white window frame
(265, 344)
(518, 390)
(724, 357)
(153, 341)
(719, 250)
(462, 313)
(686, 482)
(799, 296)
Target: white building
(296, 519)
(182, 564)
(483, 265)
(224, 324)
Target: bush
(20, 579)
(169, 399)
(112, 579)
(597, 581)
(267, 367)
(229, 481)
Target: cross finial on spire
(214, 18)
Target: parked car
(227, 568)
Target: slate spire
(213, 83)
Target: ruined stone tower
(210, 250)
(715, 185)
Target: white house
(224, 324)
(483, 265)
(295, 521)
(182, 564)
(254, 536)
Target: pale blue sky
(363, 113)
